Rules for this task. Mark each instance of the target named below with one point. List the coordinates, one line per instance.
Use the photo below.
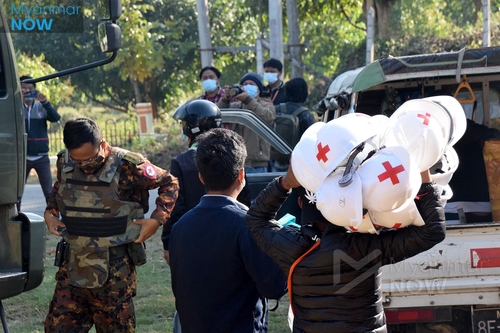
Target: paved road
(34, 202)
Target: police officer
(101, 195)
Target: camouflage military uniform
(97, 280)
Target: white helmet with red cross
(304, 163)
(416, 127)
(366, 226)
(341, 205)
(390, 179)
(339, 137)
(398, 218)
(457, 114)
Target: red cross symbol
(391, 172)
(426, 118)
(322, 151)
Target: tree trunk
(151, 87)
(382, 9)
(137, 92)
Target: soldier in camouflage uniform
(101, 194)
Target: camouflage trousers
(109, 308)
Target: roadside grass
(154, 303)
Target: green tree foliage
(159, 60)
(56, 90)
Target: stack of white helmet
(365, 171)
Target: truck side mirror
(110, 37)
(109, 10)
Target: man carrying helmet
(334, 277)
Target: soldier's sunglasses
(87, 161)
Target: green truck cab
(22, 235)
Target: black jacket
(337, 287)
(36, 127)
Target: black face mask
(93, 166)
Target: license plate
(486, 321)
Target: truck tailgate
(463, 269)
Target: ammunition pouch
(137, 253)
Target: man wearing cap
(257, 148)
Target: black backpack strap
(282, 108)
(299, 111)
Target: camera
(234, 90)
(265, 94)
(32, 93)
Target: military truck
(22, 235)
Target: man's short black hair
(274, 63)
(79, 131)
(220, 155)
(213, 69)
(26, 77)
(296, 90)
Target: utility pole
(204, 33)
(486, 23)
(294, 47)
(370, 33)
(276, 30)
(259, 51)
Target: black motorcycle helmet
(198, 116)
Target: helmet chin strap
(351, 168)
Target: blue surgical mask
(271, 77)
(209, 85)
(252, 91)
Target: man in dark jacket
(336, 286)
(220, 278)
(37, 111)
(197, 117)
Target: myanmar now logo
(38, 18)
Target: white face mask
(209, 85)
(252, 91)
(271, 77)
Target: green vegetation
(159, 60)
